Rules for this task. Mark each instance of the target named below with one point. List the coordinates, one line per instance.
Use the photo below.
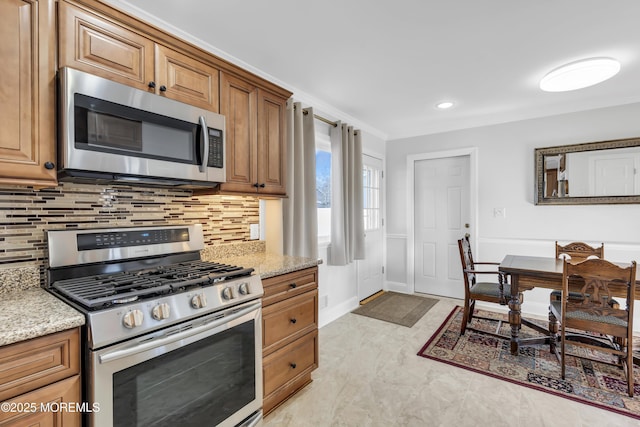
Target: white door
(370, 268)
(441, 216)
(612, 176)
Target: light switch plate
(254, 231)
(499, 212)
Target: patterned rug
(588, 382)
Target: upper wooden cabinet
(255, 141)
(100, 46)
(27, 95)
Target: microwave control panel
(216, 149)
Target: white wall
(506, 180)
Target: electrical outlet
(324, 301)
(254, 231)
(499, 212)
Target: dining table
(528, 272)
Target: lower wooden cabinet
(289, 334)
(40, 381)
(52, 405)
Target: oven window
(200, 384)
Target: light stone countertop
(28, 311)
(32, 313)
(269, 265)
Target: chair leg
(553, 332)
(562, 350)
(465, 317)
(629, 370)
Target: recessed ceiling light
(444, 105)
(580, 74)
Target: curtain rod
(322, 119)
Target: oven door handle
(168, 339)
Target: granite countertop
(269, 265)
(28, 311)
(34, 312)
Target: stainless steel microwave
(112, 132)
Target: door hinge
(382, 174)
(383, 269)
(382, 221)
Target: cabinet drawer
(285, 365)
(288, 285)
(31, 364)
(288, 320)
(66, 391)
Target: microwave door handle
(204, 141)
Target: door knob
(467, 235)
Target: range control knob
(199, 301)
(132, 319)
(227, 294)
(161, 311)
(243, 288)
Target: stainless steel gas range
(169, 339)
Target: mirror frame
(574, 148)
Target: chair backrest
(579, 251)
(598, 276)
(466, 258)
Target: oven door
(207, 371)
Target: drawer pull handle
(293, 365)
(293, 320)
(293, 285)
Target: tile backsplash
(25, 214)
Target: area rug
(588, 382)
(394, 307)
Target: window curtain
(300, 212)
(347, 221)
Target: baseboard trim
(330, 314)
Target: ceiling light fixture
(580, 74)
(444, 105)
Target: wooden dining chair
(578, 251)
(574, 252)
(497, 291)
(603, 327)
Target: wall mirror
(606, 172)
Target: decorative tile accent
(26, 213)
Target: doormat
(394, 307)
(592, 383)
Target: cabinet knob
(49, 165)
(292, 285)
(294, 320)
(256, 185)
(262, 185)
(152, 85)
(293, 365)
(163, 88)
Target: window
(323, 185)
(371, 196)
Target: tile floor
(370, 375)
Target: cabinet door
(97, 46)
(272, 153)
(238, 103)
(185, 79)
(52, 396)
(27, 103)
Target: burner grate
(104, 290)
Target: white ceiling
(384, 65)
